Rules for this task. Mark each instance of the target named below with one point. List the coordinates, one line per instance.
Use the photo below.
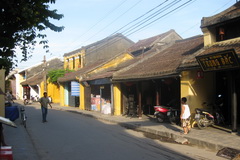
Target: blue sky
(87, 21)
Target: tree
(55, 74)
(22, 22)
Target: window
(228, 31)
(79, 60)
(73, 62)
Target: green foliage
(22, 22)
(55, 74)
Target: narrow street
(73, 136)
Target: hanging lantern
(200, 74)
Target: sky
(88, 21)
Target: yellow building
(35, 80)
(85, 60)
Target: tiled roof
(34, 80)
(72, 75)
(164, 63)
(224, 45)
(149, 42)
(216, 47)
(35, 74)
(108, 72)
(100, 42)
(229, 14)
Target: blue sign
(75, 88)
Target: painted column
(117, 98)
(62, 95)
(82, 101)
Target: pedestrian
(44, 101)
(9, 97)
(185, 116)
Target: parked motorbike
(27, 101)
(164, 113)
(203, 118)
(34, 99)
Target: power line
(140, 17)
(199, 22)
(151, 16)
(109, 13)
(137, 29)
(113, 21)
(159, 17)
(104, 17)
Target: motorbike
(203, 118)
(164, 113)
(27, 101)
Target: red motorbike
(164, 113)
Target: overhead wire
(104, 17)
(153, 15)
(199, 22)
(105, 27)
(159, 18)
(137, 29)
(139, 17)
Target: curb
(172, 135)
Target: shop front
(101, 95)
(226, 69)
(140, 97)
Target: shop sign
(75, 88)
(218, 61)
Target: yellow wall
(117, 99)
(77, 58)
(209, 36)
(196, 90)
(41, 89)
(2, 97)
(82, 102)
(54, 92)
(61, 95)
(113, 63)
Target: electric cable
(159, 18)
(140, 17)
(105, 27)
(151, 16)
(182, 5)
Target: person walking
(44, 101)
(185, 116)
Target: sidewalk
(210, 138)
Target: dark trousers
(44, 114)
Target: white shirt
(186, 113)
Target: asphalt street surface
(74, 136)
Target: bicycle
(23, 116)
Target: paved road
(74, 136)
(70, 135)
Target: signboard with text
(219, 61)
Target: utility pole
(44, 73)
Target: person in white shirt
(185, 116)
